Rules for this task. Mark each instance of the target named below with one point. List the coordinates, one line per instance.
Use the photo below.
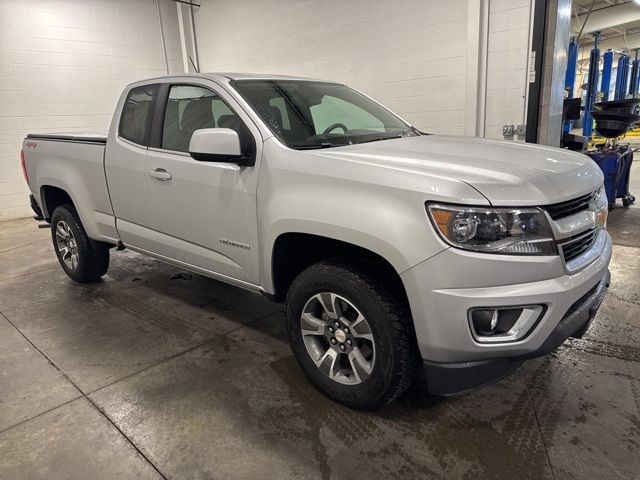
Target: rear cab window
(137, 114)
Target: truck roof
(235, 76)
(262, 76)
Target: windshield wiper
(415, 132)
(352, 141)
(313, 147)
(377, 139)
(410, 132)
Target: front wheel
(81, 258)
(353, 339)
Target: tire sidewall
(64, 214)
(378, 382)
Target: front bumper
(444, 288)
(456, 378)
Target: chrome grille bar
(569, 207)
(582, 249)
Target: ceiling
(617, 20)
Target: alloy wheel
(67, 245)
(338, 338)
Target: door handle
(160, 174)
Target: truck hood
(506, 173)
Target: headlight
(508, 231)
(599, 205)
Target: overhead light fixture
(637, 2)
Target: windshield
(306, 114)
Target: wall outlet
(508, 131)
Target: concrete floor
(158, 373)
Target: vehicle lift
(613, 158)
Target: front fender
(378, 208)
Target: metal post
(592, 88)
(622, 77)
(625, 80)
(194, 40)
(570, 77)
(183, 39)
(607, 67)
(536, 67)
(634, 84)
(162, 42)
(572, 62)
(476, 80)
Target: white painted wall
(408, 54)
(63, 64)
(507, 65)
(415, 56)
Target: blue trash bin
(622, 189)
(610, 162)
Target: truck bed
(74, 163)
(100, 138)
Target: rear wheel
(354, 340)
(81, 258)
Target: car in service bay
(398, 253)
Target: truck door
(203, 213)
(125, 164)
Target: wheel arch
(293, 252)
(52, 197)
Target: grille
(578, 244)
(564, 209)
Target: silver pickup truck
(399, 254)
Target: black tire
(389, 319)
(92, 257)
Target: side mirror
(215, 145)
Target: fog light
(503, 324)
(485, 321)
